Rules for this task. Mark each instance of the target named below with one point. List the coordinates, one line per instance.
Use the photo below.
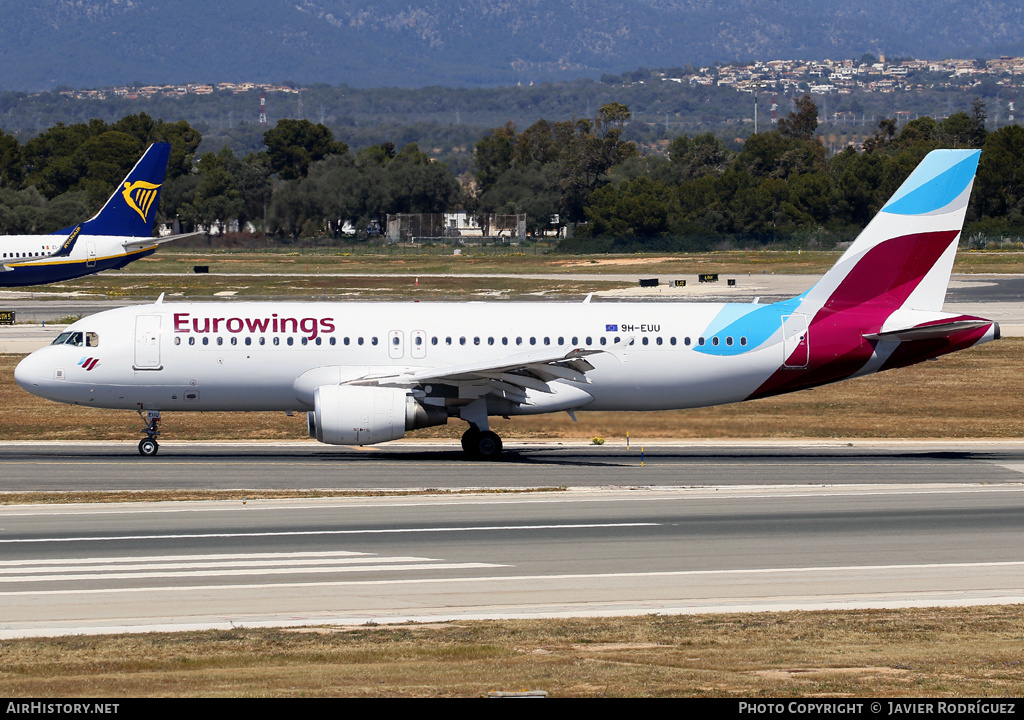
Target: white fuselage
(253, 356)
(30, 259)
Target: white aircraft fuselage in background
(369, 372)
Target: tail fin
(131, 210)
(903, 258)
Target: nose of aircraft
(30, 374)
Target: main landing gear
(148, 446)
(481, 445)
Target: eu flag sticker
(611, 328)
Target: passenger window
(462, 340)
(490, 341)
(177, 341)
(743, 341)
(476, 340)
(547, 341)
(590, 340)
(604, 340)
(714, 341)
(248, 341)
(305, 341)
(263, 341)
(290, 341)
(191, 341)
(644, 341)
(519, 341)
(277, 341)
(575, 341)
(220, 341)
(700, 341)
(728, 341)
(395, 341)
(373, 341)
(206, 341)
(533, 341)
(234, 341)
(359, 341)
(658, 341)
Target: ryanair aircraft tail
(122, 231)
(131, 210)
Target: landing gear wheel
(488, 446)
(148, 445)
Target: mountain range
(46, 44)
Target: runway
(176, 566)
(700, 527)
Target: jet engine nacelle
(363, 415)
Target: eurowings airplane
(369, 372)
(119, 233)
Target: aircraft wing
(509, 377)
(136, 243)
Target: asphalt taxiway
(302, 465)
(174, 566)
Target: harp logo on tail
(140, 196)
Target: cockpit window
(92, 339)
(74, 338)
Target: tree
(294, 144)
(638, 208)
(802, 123)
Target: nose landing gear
(148, 446)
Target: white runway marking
(308, 533)
(105, 570)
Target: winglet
(69, 244)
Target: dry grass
(972, 652)
(972, 394)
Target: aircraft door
(147, 342)
(795, 341)
(91, 254)
(396, 344)
(419, 344)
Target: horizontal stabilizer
(933, 331)
(136, 243)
